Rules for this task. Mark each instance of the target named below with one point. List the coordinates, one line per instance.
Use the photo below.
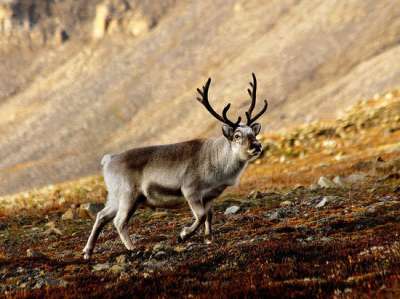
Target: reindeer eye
(236, 136)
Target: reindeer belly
(164, 196)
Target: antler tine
(258, 114)
(253, 96)
(224, 114)
(204, 100)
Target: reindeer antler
(206, 103)
(253, 96)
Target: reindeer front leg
(207, 227)
(199, 212)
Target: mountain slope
(312, 58)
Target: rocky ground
(317, 216)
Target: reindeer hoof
(86, 256)
(208, 241)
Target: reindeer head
(242, 137)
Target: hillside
(318, 218)
(82, 78)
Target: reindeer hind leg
(102, 218)
(128, 203)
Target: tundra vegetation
(316, 216)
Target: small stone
(179, 249)
(101, 267)
(286, 203)
(153, 264)
(121, 259)
(273, 216)
(33, 253)
(255, 194)
(322, 203)
(160, 255)
(330, 199)
(324, 182)
(276, 215)
(355, 178)
(338, 180)
(51, 282)
(386, 198)
(68, 215)
(162, 247)
(313, 187)
(232, 210)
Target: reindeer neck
(224, 158)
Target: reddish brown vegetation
(349, 247)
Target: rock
(49, 282)
(355, 178)
(276, 215)
(68, 215)
(322, 203)
(160, 255)
(273, 216)
(338, 180)
(121, 259)
(90, 209)
(386, 198)
(313, 187)
(101, 267)
(232, 210)
(33, 253)
(179, 249)
(161, 247)
(255, 194)
(286, 203)
(152, 264)
(329, 199)
(324, 182)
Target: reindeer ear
(256, 127)
(227, 131)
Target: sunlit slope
(312, 58)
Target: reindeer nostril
(256, 146)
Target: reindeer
(197, 171)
